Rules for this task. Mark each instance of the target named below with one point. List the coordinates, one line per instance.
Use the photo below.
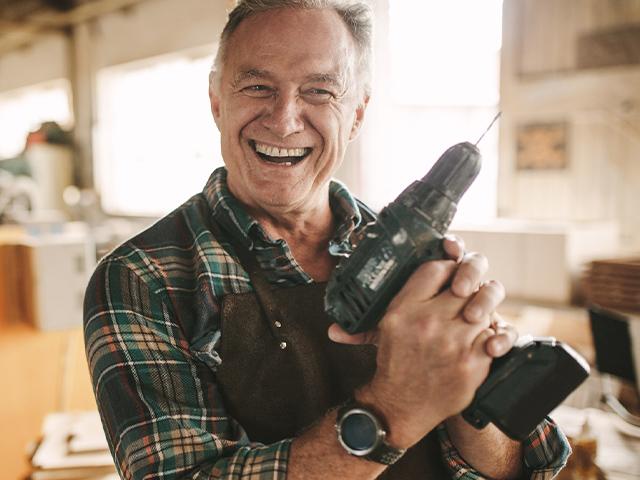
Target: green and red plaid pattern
(152, 325)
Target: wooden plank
(548, 31)
(608, 48)
(614, 284)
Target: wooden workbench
(40, 372)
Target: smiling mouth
(282, 156)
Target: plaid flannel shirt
(152, 324)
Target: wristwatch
(362, 433)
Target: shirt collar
(348, 218)
(229, 213)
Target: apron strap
(267, 301)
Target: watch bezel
(379, 429)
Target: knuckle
(432, 272)
(473, 314)
(477, 261)
(467, 371)
(426, 327)
(497, 288)
(447, 350)
(491, 294)
(434, 269)
(392, 321)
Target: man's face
(287, 104)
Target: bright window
(25, 109)
(440, 87)
(155, 143)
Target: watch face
(359, 431)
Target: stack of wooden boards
(16, 282)
(43, 274)
(614, 284)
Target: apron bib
(280, 372)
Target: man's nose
(284, 117)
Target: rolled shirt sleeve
(161, 409)
(546, 451)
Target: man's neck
(307, 234)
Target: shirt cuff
(546, 451)
(258, 462)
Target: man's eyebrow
(251, 74)
(331, 78)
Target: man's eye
(321, 92)
(257, 90)
(318, 95)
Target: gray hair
(356, 14)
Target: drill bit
(488, 128)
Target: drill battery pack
(524, 385)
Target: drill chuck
(437, 194)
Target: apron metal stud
(283, 345)
(277, 324)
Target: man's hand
(464, 284)
(432, 344)
(504, 335)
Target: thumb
(338, 335)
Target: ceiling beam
(20, 34)
(61, 5)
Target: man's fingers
(484, 302)
(426, 282)
(454, 247)
(478, 347)
(338, 335)
(469, 275)
(504, 338)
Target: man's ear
(214, 97)
(359, 118)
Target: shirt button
(277, 324)
(283, 345)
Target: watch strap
(385, 454)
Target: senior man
(210, 353)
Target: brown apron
(280, 372)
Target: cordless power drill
(524, 385)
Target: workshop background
(105, 126)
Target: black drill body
(407, 233)
(524, 385)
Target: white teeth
(279, 152)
